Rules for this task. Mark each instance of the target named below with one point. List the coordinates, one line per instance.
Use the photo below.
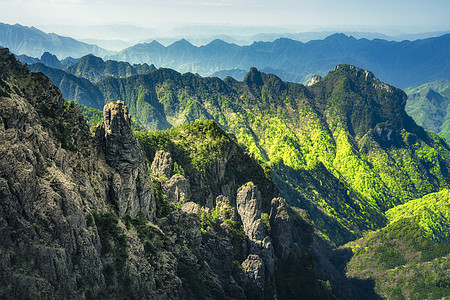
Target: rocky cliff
(83, 216)
(130, 186)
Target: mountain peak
(354, 71)
(8, 63)
(314, 79)
(182, 43)
(51, 60)
(365, 103)
(217, 42)
(338, 36)
(253, 77)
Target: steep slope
(53, 175)
(34, 42)
(72, 87)
(409, 258)
(81, 217)
(429, 106)
(94, 68)
(343, 149)
(403, 64)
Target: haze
(134, 19)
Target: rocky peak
(362, 102)
(281, 228)
(259, 265)
(51, 60)
(8, 63)
(162, 164)
(314, 79)
(131, 187)
(253, 77)
(117, 137)
(249, 206)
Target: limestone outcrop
(131, 188)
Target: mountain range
(403, 64)
(164, 98)
(34, 42)
(343, 153)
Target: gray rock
(254, 268)
(132, 191)
(248, 202)
(227, 211)
(281, 228)
(162, 164)
(190, 208)
(177, 189)
(314, 80)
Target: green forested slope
(94, 68)
(72, 87)
(429, 106)
(343, 149)
(409, 258)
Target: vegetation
(428, 105)
(163, 206)
(72, 87)
(114, 254)
(93, 116)
(94, 68)
(199, 150)
(409, 258)
(341, 132)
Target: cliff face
(131, 188)
(47, 248)
(52, 176)
(80, 216)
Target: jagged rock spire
(131, 188)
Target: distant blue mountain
(34, 42)
(47, 59)
(404, 64)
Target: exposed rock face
(254, 268)
(77, 213)
(162, 164)
(46, 250)
(314, 79)
(130, 185)
(190, 208)
(52, 176)
(226, 208)
(248, 202)
(281, 228)
(178, 189)
(260, 261)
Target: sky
(83, 16)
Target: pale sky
(411, 15)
